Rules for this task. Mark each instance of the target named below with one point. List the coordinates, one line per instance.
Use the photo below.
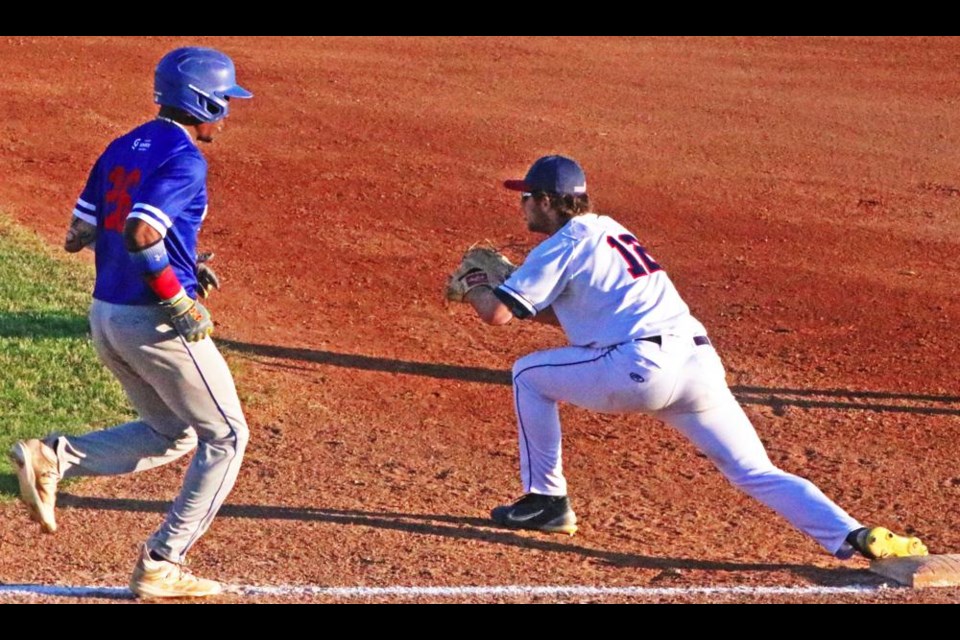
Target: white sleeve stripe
(86, 217)
(86, 205)
(165, 222)
(160, 215)
(203, 216)
(140, 215)
(519, 298)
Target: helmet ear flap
(214, 109)
(214, 106)
(198, 81)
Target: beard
(539, 225)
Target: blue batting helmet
(199, 81)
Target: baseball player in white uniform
(635, 347)
(141, 211)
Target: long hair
(566, 205)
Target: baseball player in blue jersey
(141, 211)
(635, 347)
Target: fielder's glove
(190, 318)
(480, 266)
(207, 279)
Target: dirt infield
(804, 195)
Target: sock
(856, 538)
(157, 557)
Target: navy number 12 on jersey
(643, 266)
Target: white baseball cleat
(163, 579)
(37, 472)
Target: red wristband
(165, 284)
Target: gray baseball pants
(186, 399)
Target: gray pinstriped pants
(186, 399)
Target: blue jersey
(154, 173)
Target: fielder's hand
(190, 318)
(207, 279)
(480, 266)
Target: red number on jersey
(120, 194)
(637, 268)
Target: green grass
(50, 377)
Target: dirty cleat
(878, 543)
(37, 472)
(162, 579)
(538, 512)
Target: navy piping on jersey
(516, 400)
(208, 517)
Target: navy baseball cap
(553, 174)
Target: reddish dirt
(804, 194)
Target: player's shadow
(43, 325)
(776, 397)
(468, 528)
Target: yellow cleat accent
(880, 543)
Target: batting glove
(207, 279)
(190, 318)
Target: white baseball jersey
(603, 286)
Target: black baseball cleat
(539, 513)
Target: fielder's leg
(705, 411)
(540, 380)
(612, 380)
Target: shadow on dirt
(776, 397)
(467, 528)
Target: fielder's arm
(491, 310)
(547, 316)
